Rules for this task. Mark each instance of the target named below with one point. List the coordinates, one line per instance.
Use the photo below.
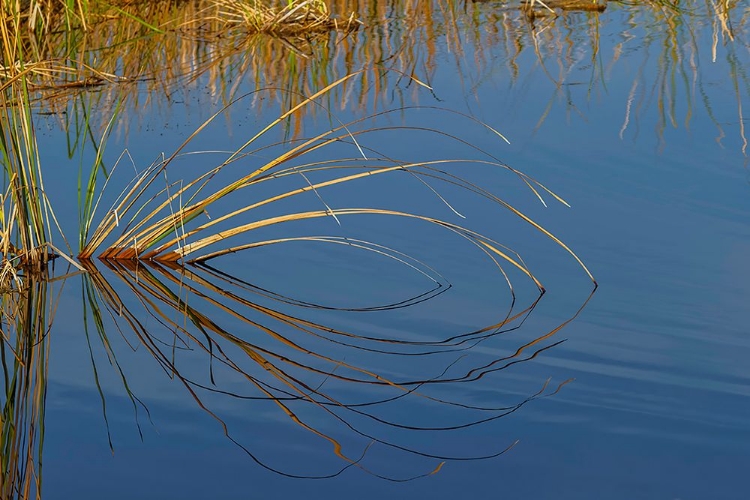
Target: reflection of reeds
(665, 40)
(283, 358)
(25, 319)
(178, 47)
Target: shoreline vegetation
(164, 46)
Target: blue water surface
(649, 154)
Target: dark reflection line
(448, 341)
(472, 374)
(292, 397)
(466, 406)
(439, 289)
(267, 330)
(506, 410)
(218, 329)
(296, 322)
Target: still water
(634, 116)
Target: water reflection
(335, 384)
(220, 335)
(669, 54)
(28, 307)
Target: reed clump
(25, 213)
(283, 18)
(292, 19)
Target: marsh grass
(292, 19)
(164, 226)
(29, 60)
(27, 218)
(287, 17)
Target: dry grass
(158, 239)
(288, 20)
(165, 225)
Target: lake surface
(634, 116)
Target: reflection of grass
(673, 46)
(407, 38)
(26, 315)
(345, 401)
(207, 42)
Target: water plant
(27, 216)
(26, 213)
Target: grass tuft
(292, 18)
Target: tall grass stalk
(27, 237)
